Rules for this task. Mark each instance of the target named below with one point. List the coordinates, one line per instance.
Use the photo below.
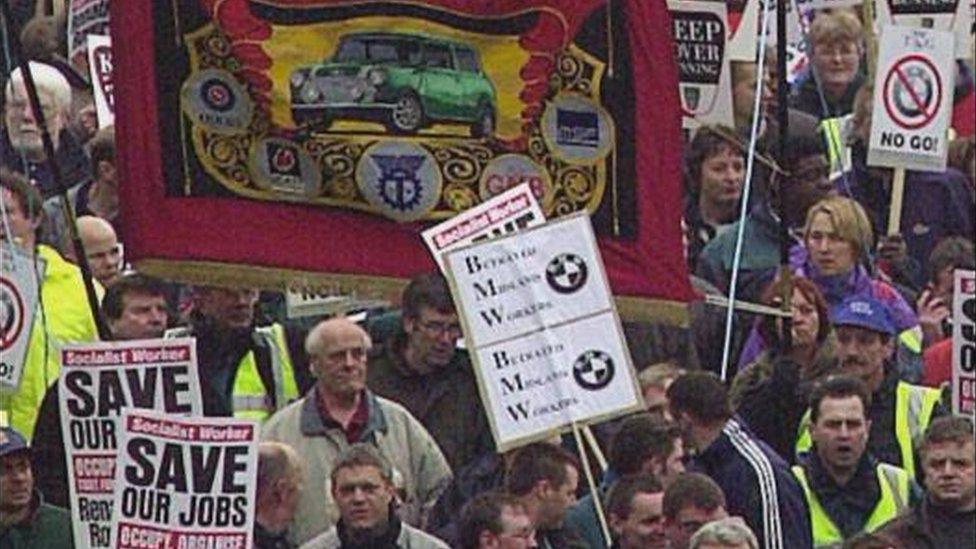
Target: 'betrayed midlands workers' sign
(912, 99)
(545, 338)
(184, 483)
(700, 33)
(964, 344)
(97, 381)
(517, 208)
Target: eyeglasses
(437, 328)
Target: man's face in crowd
(22, 126)
(722, 176)
(669, 468)
(656, 399)
(363, 497)
(432, 338)
(950, 474)
(944, 285)
(16, 482)
(829, 252)
(21, 227)
(644, 525)
(807, 184)
(341, 366)
(556, 499)
(862, 352)
(144, 316)
(517, 531)
(836, 63)
(231, 308)
(102, 249)
(840, 433)
(688, 521)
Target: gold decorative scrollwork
(459, 197)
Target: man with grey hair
(728, 533)
(341, 411)
(21, 146)
(363, 487)
(280, 480)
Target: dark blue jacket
(758, 486)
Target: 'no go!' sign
(912, 99)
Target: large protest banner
(547, 344)
(964, 343)
(97, 382)
(18, 305)
(250, 139)
(184, 483)
(700, 33)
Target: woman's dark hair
(709, 140)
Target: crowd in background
(835, 432)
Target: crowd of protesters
(834, 432)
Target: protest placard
(514, 209)
(955, 16)
(700, 33)
(100, 67)
(85, 17)
(18, 303)
(912, 99)
(544, 336)
(964, 343)
(184, 483)
(97, 381)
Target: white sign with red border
(517, 208)
(964, 344)
(18, 303)
(100, 67)
(184, 483)
(98, 381)
(912, 99)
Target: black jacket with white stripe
(758, 486)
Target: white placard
(184, 483)
(521, 283)
(912, 99)
(18, 305)
(964, 344)
(744, 34)
(954, 16)
(305, 303)
(85, 17)
(97, 381)
(544, 381)
(100, 68)
(700, 34)
(517, 208)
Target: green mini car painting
(406, 81)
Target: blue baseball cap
(12, 441)
(865, 312)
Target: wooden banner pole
(897, 197)
(597, 504)
(601, 460)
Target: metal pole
(67, 210)
(783, 121)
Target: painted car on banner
(407, 81)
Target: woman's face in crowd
(722, 176)
(836, 63)
(806, 323)
(830, 253)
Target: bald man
(101, 247)
(340, 411)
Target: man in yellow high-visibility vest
(848, 491)
(899, 411)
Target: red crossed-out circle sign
(11, 313)
(912, 91)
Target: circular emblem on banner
(216, 100)
(12, 314)
(577, 129)
(566, 273)
(511, 170)
(281, 165)
(400, 179)
(593, 370)
(912, 91)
